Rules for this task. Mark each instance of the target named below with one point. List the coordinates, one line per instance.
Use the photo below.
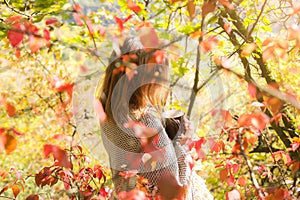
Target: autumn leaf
(32, 197)
(11, 143)
(35, 43)
(242, 181)
(133, 6)
(14, 37)
(208, 7)
(247, 50)
(191, 9)
(223, 174)
(255, 121)
(10, 109)
(60, 155)
(51, 21)
(208, 44)
(252, 90)
(274, 104)
(78, 19)
(15, 189)
(77, 7)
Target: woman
(134, 91)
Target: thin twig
(250, 167)
(15, 10)
(257, 19)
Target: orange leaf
(274, 104)
(223, 174)
(242, 181)
(208, 8)
(11, 144)
(208, 44)
(191, 9)
(16, 190)
(10, 109)
(247, 50)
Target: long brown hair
(135, 79)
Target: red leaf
(252, 90)
(127, 18)
(77, 7)
(60, 155)
(226, 4)
(208, 8)
(51, 21)
(15, 38)
(191, 9)
(18, 53)
(14, 18)
(78, 19)
(119, 21)
(32, 197)
(46, 33)
(230, 180)
(16, 190)
(99, 110)
(133, 6)
(233, 195)
(256, 121)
